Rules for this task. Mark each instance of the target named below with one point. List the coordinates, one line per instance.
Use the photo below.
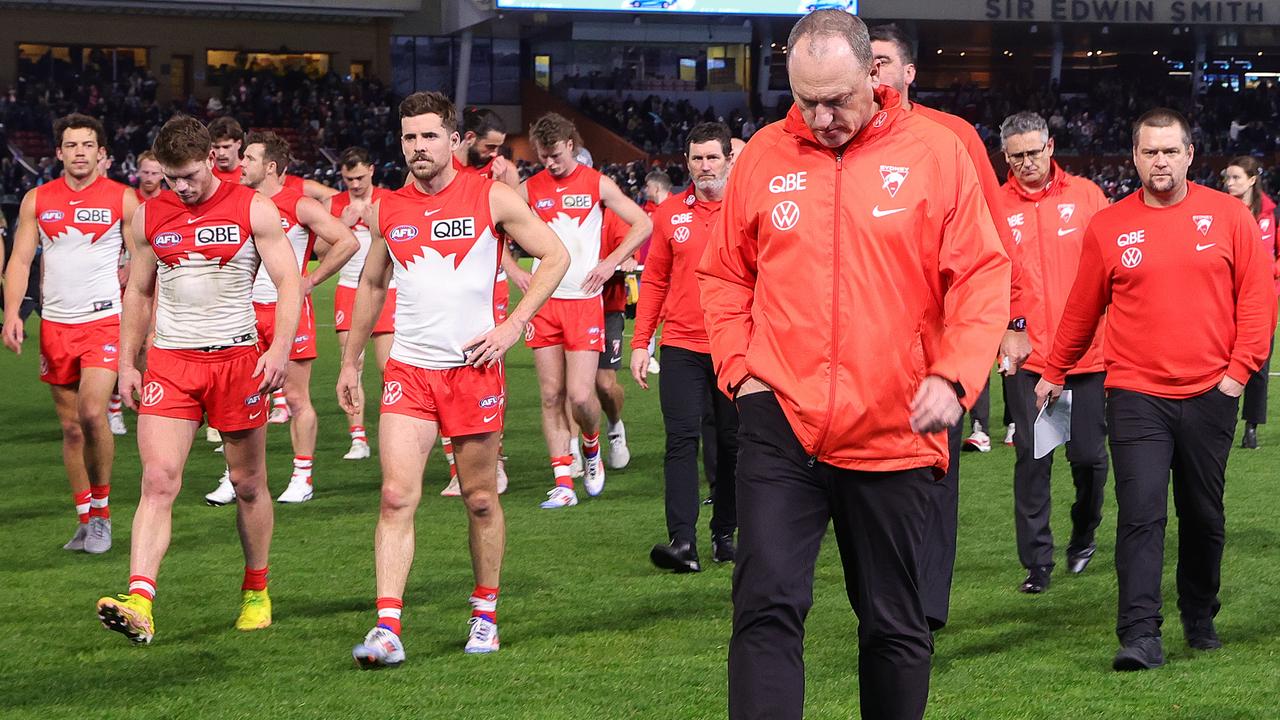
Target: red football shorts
(193, 384)
(344, 299)
(304, 340)
(65, 348)
(575, 324)
(462, 400)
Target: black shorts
(611, 356)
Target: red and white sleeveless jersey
(300, 240)
(81, 241)
(349, 276)
(485, 171)
(571, 207)
(444, 252)
(207, 261)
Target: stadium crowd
(1090, 129)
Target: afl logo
(51, 216)
(682, 234)
(168, 239)
(545, 204)
(391, 393)
(785, 215)
(400, 233)
(1131, 257)
(152, 394)
(490, 402)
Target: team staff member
(81, 224)
(893, 50)
(1240, 181)
(682, 226)
(1048, 209)
(203, 244)
(1182, 275)
(844, 387)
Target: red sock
(561, 468)
(82, 500)
(142, 586)
(590, 444)
(115, 404)
(389, 613)
(357, 433)
(484, 603)
(98, 501)
(254, 579)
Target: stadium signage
(1137, 11)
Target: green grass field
(589, 628)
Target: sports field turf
(589, 628)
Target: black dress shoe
(1250, 439)
(678, 557)
(1037, 580)
(722, 548)
(1078, 560)
(1200, 634)
(709, 501)
(1144, 653)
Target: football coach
(1185, 281)
(855, 292)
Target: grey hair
(834, 23)
(1023, 122)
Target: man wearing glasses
(1047, 210)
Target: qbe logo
(453, 229)
(785, 215)
(91, 216)
(391, 393)
(682, 218)
(400, 233)
(166, 239)
(152, 394)
(789, 182)
(218, 235)
(576, 202)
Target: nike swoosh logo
(1200, 247)
(1063, 233)
(255, 415)
(74, 202)
(109, 358)
(877, 212)
(489, 418)
(194, 219)
(429, 213)
(561, 189)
